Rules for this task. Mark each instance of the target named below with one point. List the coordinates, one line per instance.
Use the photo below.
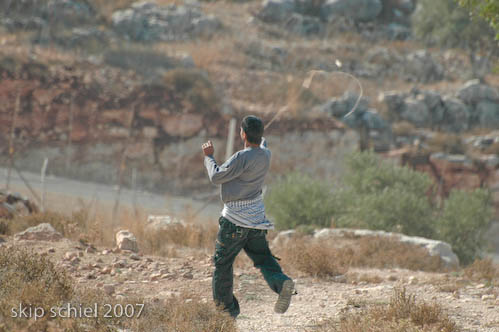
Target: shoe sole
(284, 299)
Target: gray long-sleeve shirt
(242, 175)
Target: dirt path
(475, 307)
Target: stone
(358, 10)
(303, 25)
(70, 255)
(42, 232)
(488, 114)
(126, 240)
(434, 247)
(473, 92)
(339, 107)
(147, 21)
(416, 112)
(273, 11)
(182, 125)
(457, 115)
(162, 222)
(205, 26)
(394, 100)
(283, 238)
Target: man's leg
(230, 240)
(257, 248)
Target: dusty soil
(473, 306)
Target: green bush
(299, 200)
(383, 196)
(380, 195)
(465, 218)
(444, 23)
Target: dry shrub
(177, 314)
(29, 279)
(492, 149)
(403, 128)
(70, 226)
(315, 259)
(482, 270)
(378, 252)
(448, 143)
(33, 281)
(325, 258)
(402, 314)
(189, 235)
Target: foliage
(403, 314)
(444, 23)
(300, 200)
(488, 9)
(380, 195)
(464, 220)
(194, 85)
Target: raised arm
(229, 170)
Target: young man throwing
(243, 224)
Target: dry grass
(402, 314)
(403, 128)
(71, 226)
(483, 270)
(327, 259)
(448, 143)
(34, 282)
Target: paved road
(61, 192)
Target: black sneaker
(284, 299)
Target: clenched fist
(208, 148)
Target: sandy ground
(475, 306)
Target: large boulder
(42, 232)
(32, 14)
(416, 112)
(474, 92)
(457, 115)
(156, 223)
(146, 21)
(487, 113)
(339, 107)
(125, 240)
(274, 11)
(358, 10)
(434, 247)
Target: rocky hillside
(89, 84)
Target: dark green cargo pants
(230, 240)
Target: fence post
(230, 141)
(43, 172)
(11, 138)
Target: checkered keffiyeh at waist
(247, 213)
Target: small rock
(188, 275)
(106, 252)
(480, 286)
(135, 257)
(42, 232)
(155, 276)
(106, 270)
(90, 250)
(51, 250)
(80, 254)
(126, 240)
(342, 279)
(487, 297)
(70, 255)
(413, 280)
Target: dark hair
(253, 127)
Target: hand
(208, 148)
